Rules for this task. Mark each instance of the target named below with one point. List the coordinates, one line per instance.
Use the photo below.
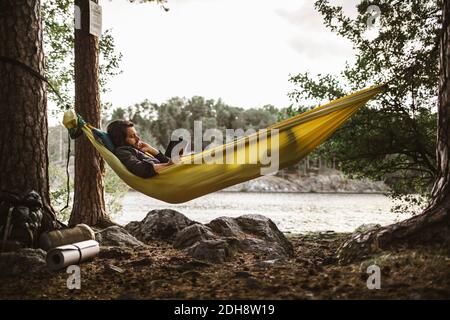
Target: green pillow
(103, 137)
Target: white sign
(95, 19)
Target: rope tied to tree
(39, 76)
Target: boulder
(22, 262)
(255, 233)
(226, 226)
(159, 225)
(116, 236)
(270, 250)
(217, 240)
(192, 234)
(215, 251)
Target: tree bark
(23, 105)
(89, 203)
(433, 224)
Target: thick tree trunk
(433, 224)
(440, 194)
(23, 104)
(89, 203)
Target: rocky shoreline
(331, 182)
(168, 256)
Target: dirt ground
(161, 272)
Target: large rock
(22, 262)
(217, 240)
(265, 229)
(255, 233)
(193, 234)
(117, 237)
(216, 251)
(226, 227)
(270, 250)
(159, 225)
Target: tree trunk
(89, 203)
(433, 224)
(23, 105)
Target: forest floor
(162, 272)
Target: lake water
(292, 212)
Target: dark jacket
(139, 163)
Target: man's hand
(145, 147)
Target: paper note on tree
(95, 19)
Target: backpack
(20, 218)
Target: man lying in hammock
(134, 153)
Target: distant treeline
(156, 122)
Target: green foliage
(155, 123)
(115, 191)
(393, 139)
(59, 41)
(58, 17)
(409, 203)
(161, 3)
(58, 190)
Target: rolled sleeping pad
(71, 254)
(56, 238)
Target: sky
(241, 51)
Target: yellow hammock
(188, 180)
